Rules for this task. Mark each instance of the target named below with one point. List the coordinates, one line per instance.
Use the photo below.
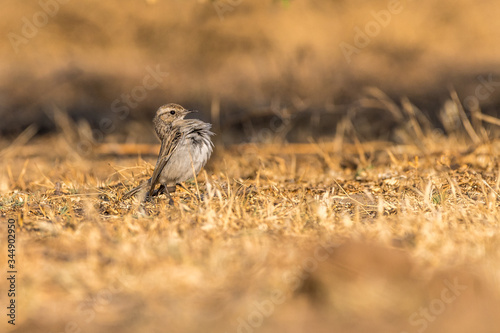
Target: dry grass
(381, 217)
(325, 236)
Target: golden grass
(324, 236)
(337, 233)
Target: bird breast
(191, 154)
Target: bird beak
(192, 111)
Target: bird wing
(168, 145)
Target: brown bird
(185, 148)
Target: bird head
(169, 112)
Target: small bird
(185, 148)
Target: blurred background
(293, 67)
(266, 71)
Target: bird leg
(162, 189)
(158, 191)
(170, 200)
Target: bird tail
(142, 188)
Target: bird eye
(172, 112)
